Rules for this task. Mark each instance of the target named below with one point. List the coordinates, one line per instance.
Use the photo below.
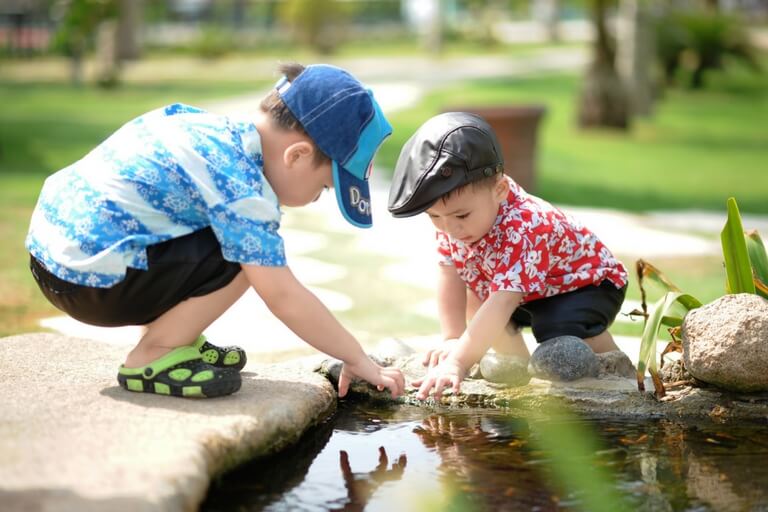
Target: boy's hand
(434, 356)
(447, 373)
(390, 378)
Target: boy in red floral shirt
(509, 259)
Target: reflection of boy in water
(481, 455)
(361, 486)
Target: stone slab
(72, 439)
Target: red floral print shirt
(533, 248)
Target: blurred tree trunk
(76, 67)
(548, 11)
(107, 62)
(434, 33)
(603, 101)
(129, 14)
(635, 55)
(238, 13)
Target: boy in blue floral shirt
(169, 221)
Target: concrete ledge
(72, 439)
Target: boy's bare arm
(486, 325)
(451, 310)
(451, 302)
(302, 312)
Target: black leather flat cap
(447, 152)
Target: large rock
(71, 439)
(725, 343)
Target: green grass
(697, 150)
(46, 126)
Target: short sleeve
(443, 249)
(245, 239)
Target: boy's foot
(181, 372)
(223, 357)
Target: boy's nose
(454, 230)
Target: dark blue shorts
(583, 313)
(178, 269)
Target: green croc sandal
(181, 372)
(222, 357)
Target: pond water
(409, 458)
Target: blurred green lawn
(698, 149)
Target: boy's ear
(296, 152)
(500, 189)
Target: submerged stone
(564, 358)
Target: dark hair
(484, 182)
(273, 105)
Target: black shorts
(184, 267)
(583, 313)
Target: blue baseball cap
(345, 121)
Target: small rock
(331, 369)
(505, 369)
(674, 371)
(616, 362)
(564, 358)
(474, 372)
(389, 350)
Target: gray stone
(505, 369)
(72, 439)
(390, 349)
(564, 358)
(331, 369)
(725, 342)
(616, 363)
(675, 371)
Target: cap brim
(353, 196)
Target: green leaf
(759, 261)
(659, 316)
(737, 266)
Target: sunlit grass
(698, 148)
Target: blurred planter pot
(516, 127)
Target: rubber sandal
(222, 357)
(181, 372)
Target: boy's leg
(183, 323)
(603, 342)
(585, 313)
(510, 342)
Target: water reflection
(411, 459)
(487, 457)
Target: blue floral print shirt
(165, 174)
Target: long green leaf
(759, 260)
(660, 315)
(737, 267)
